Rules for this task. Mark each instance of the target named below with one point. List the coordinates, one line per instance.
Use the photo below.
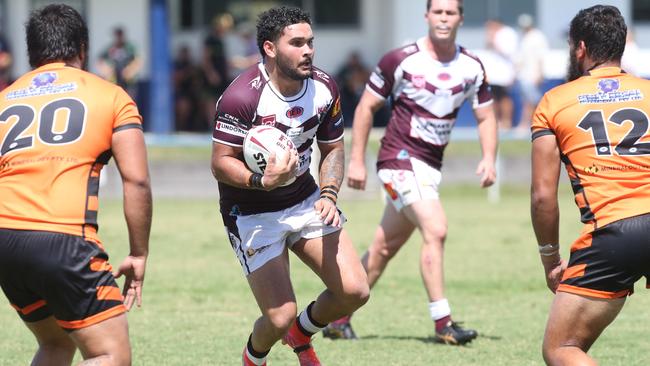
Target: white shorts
(262, 237)
(403, 187)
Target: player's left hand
(487, 171)
(133, 269)
(327, 212)
(554, 274)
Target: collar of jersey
(605, 71)
(277, 93)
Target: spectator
(120, 63)
(502, 43)
(530, 68)
(5, 63)
(187, 84)
(247, 54)
(352, 79)
(215, 64)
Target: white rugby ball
(260, 142)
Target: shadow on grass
(421, 339)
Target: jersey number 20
(15, 139)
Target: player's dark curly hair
(603, 30)
(460, 6)
(272, 22)
(56, 32)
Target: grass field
(198, 309)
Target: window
(189, 14)
(478, 11)
(641, 10)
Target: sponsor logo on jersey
(229, 128)
(268, 120)
(42, 84)
(256, 83)
(419, 81)
(295, 112)
(294, 132)
(593, 169)
(608, 92)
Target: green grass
(198, 309)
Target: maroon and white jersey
(426, 96)
(251, 100)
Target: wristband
(548, 250)
(255, 181)
(332, 187)
(329, 191)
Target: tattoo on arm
(331, 169)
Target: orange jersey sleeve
(56, 127)
(602, 126)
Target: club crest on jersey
(255, 83)
(295, 112)
(419, 81)
(608, 85)
(268, 120)
(321, 75)
(43, 79)
(444, 76)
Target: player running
(428, 81)
(264, 219)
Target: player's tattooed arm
(332, 165)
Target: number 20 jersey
(426, 96)
(600, 122)
(56, 127)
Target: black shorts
(52, 274)
(607, 262)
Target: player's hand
(487, 171)
(357, 175)
(554, 272)
(327, 212)
(132, 268)
(279, 170)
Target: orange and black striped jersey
(56, 127)
(601, 124)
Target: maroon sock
(343, 320)
(442, 323)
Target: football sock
(440, 313)
(344, 320)
(306, 323)
(258, 358)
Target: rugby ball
(260, 142)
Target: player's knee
(356, 296)
(435, 235)
(57, 349)
(282, 317)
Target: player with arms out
(428, 81)
(597, 124)
(59, 125)
(265, 218)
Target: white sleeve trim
(330, 141)
(368, 88)
(226, 143)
